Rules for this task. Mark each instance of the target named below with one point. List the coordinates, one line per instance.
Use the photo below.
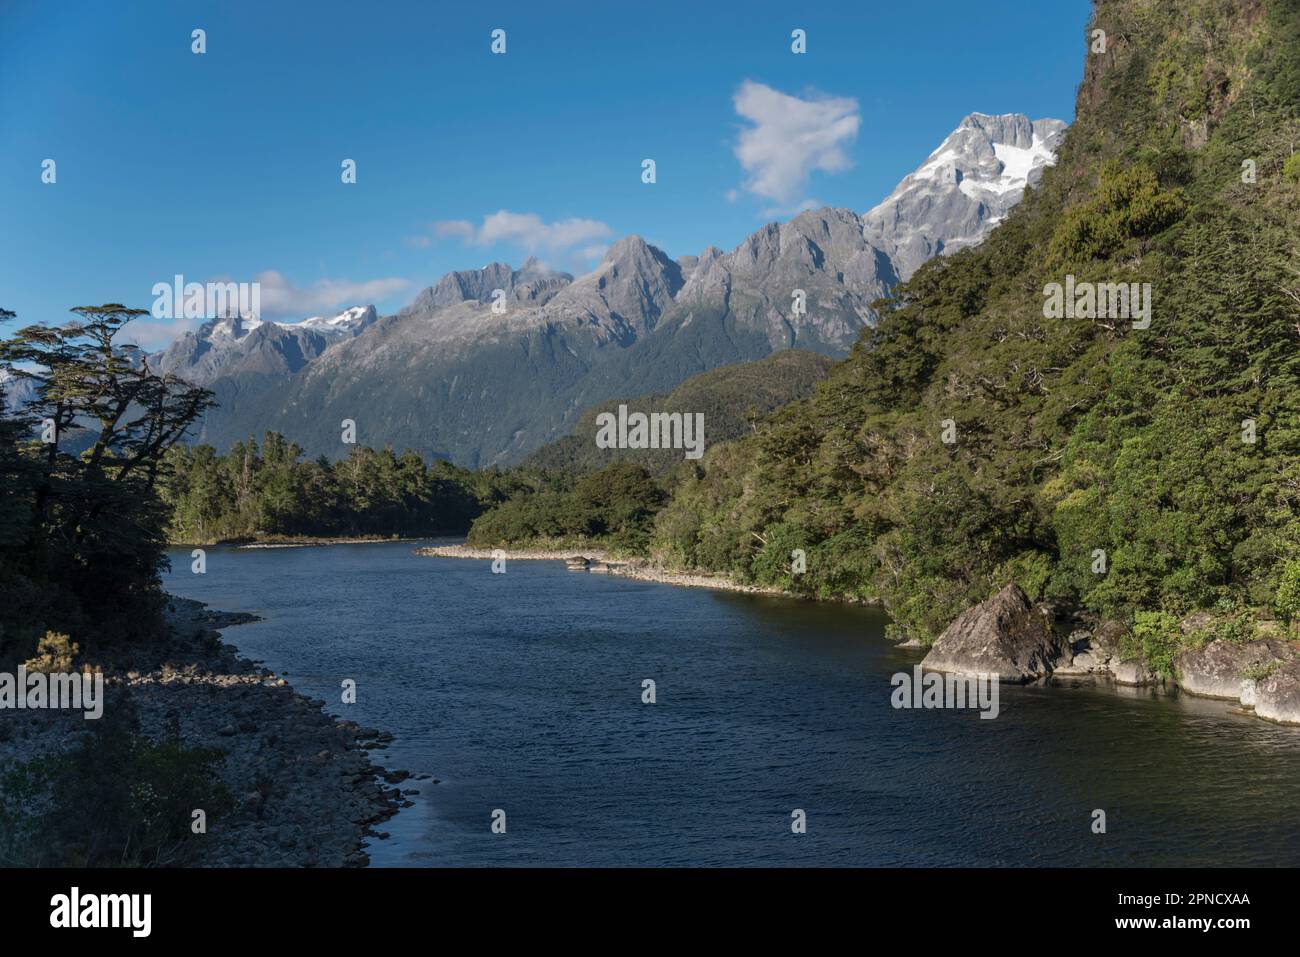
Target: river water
(522, 692)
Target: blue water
(522, 692)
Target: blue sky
(226, 165)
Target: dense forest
(255, 492)
(268, 491)
(969, 440)
(573, 492)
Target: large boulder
(1004, 635)
(1277, 696)
(1133, 673)
(1218, 669)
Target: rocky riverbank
(1008, 636)
(306, 792)
(600, 560)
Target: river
(522, 692)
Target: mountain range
(460, 375)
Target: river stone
(1277, 697)
(1003, 635)
(1133, 673)
(1216, 670)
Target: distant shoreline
(305, 541)
(637, 569)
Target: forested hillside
(731, 399)
(1103, 464)
(1094, 463)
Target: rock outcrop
(1220, 668)
(1004, 635)
(1007, 636)
(1091, 652)
(1277, 696)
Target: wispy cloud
(790, 138)
(282, 299)
(150, 334)
(527, 230)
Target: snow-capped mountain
(964, 188)
(17, 391)
(348, 322)
(235, 345)
(450, 377)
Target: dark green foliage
(251, 492)
(614, 506)
(1287, 602)
(1153, 638)
(81, 535)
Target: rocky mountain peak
(964, 188)
(533, 283)
(634, 284)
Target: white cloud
(461, 228)
(525, 229)
(150, 334)
(790, 138)
(281, 298)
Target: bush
(1291, 168)
(1154, 638)
(54, 652)
(1287, 601)
(1128, 204)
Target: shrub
(1287, 601)
(1291, 168)
(1154, 638)
(54, 652)
(1261, 671)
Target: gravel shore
(306, 790)
(632, 568)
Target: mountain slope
(1139, 472)
(729, 397)
(235, 346)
